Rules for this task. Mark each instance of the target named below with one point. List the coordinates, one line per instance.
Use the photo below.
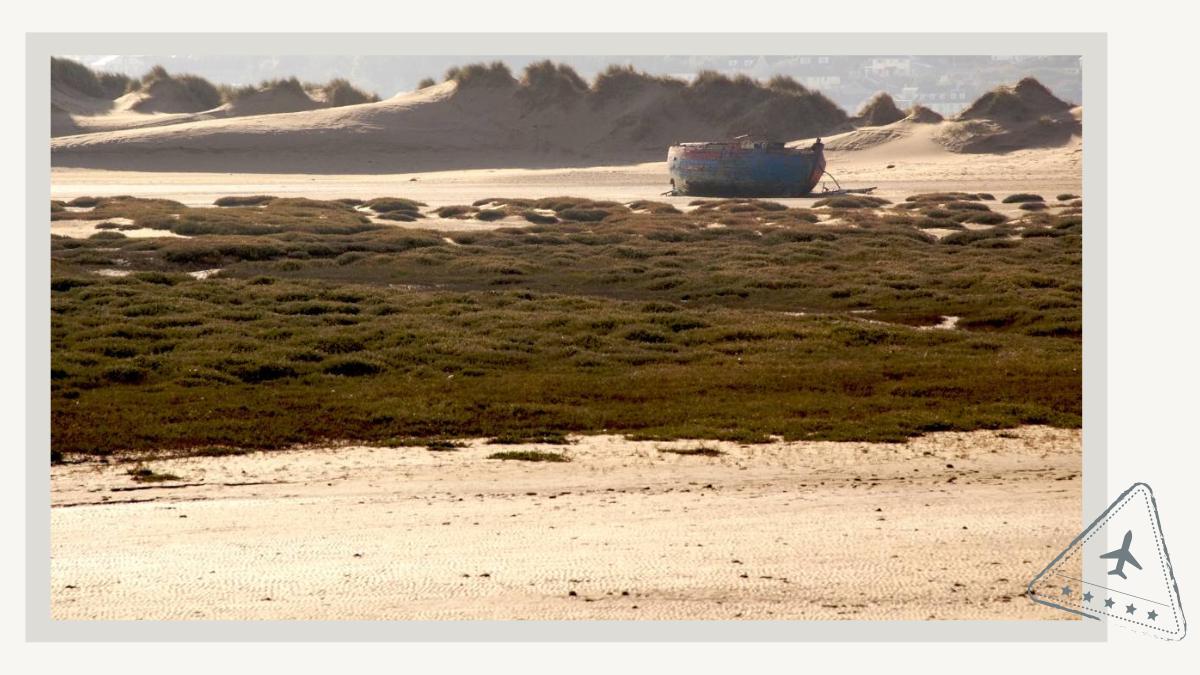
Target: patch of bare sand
(948, 526)
(917, 162)
(81, 229)
(126, 119)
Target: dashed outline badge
(1118, 570)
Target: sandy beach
(948, 526)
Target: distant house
(947, 103)
(821, 82)
(888, 66)
(745, 63)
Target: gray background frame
(1092, 47)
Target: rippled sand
(952, 525)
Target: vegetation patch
(387, 204)
(852, 202)
(880, 110)
(1022, 197)
(77, 76)
(700, 451)
(940, 197)
(141, 474)
(455, 211)
(529, 456)
(734, 320)
(244, 200)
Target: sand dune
(164, 95)
(123, 117)
(922, 115)
(162, 99)
(67, 99)
(879, 111)
(1026, 115)
(633, 118)
(1004, 120)
(271, 100)
(417, 126)
(502, 125)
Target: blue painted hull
(745, 169)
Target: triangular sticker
(1118, 570)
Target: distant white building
(947, 103)
(745, 63)
(888, 66)
(821, 81)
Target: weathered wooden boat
(745, 168)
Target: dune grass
(336, 92)
(646, 321)
(880, 110)
(232, 93)
(75, 75)
(204, 93)
(779, 108)
(494, 74)
(340, 92)
(548, 83)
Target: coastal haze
(449, 349)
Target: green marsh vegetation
(730, 319)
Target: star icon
(1130, 609)
(1152, 615)
(1108, 602)
(1087, 597)
(1066, 590)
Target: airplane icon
(1122, 556)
